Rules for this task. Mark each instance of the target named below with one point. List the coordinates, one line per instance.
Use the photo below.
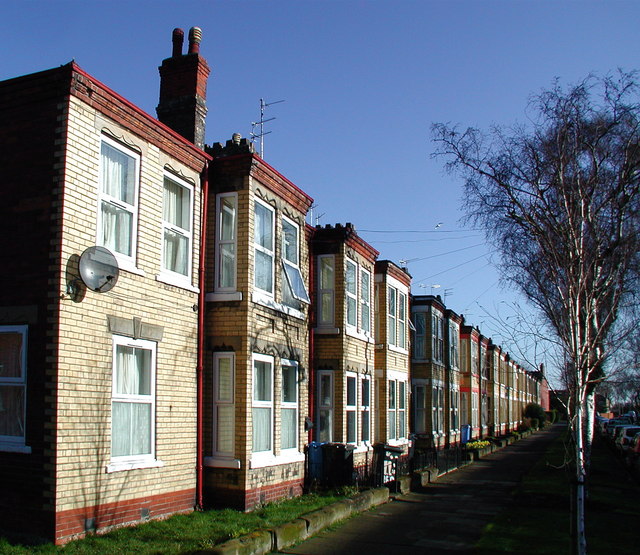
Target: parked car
(624, 436)
(614, 423)
(633, 453)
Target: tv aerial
(98, 269)
(261, 123)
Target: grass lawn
(182, 533)
(539, 519)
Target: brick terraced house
(173, 334)
(97, 387)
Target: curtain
(118, 174)
(261, 429)
(117, 224)
(131, 420)
(176, 250)
(225, 428)
(289, 428)
(177, 202)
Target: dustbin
(465, 433)
(386, 463)
(314, 462)
(337, 464)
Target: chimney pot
(177, 39)
(195, 37)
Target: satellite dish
(98, 269)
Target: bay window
(419, 343)
(397, 317)
(224, 404)
(351, 292)
(420, 408)
(351, 414)
(263, 240)
(365, 408)
(294, 291)
(325, 406)
(289, 406)
(262, 406)
(365, 301)
(226, 242)
(326, 291)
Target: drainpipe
(312, 323)
(200, 355)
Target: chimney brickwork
(183, 88)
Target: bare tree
(560, 200)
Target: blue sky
(362, 83)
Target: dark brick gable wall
(32, 113)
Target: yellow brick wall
(85, 353)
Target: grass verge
(538, 520)
(182, 533)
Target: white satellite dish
(99, 269)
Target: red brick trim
(70, 524)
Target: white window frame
(325, 435)
(266, 250)
(225, 244)
(15, 443)
(437, 405)
(397, 295)
(326, 292)
(392, 410)
(351, 408)
(129, 462)
(126, 261)
(292, 276)
(420, 336)
(454, 345)
(288, 405)
(402, 409)
(166, 274)
(223, 400)
(454, 410)
(365, 301)
(262, 404)
(351, 296)
(420, 406)
(365, 410)
(437, 336)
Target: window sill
(399, 350)
(177, 281)
(133, 465)
(261, 460)
(269, 302)
(220, 297)
(352, 332)
(221, 462)
(15, 448)
(326, 331)
(398, 442)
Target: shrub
(533, 410)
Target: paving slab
(447, 516)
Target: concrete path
(446, 517)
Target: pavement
(447, 516)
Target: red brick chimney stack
(183, 88)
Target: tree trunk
(589, 423)
(580, 535)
